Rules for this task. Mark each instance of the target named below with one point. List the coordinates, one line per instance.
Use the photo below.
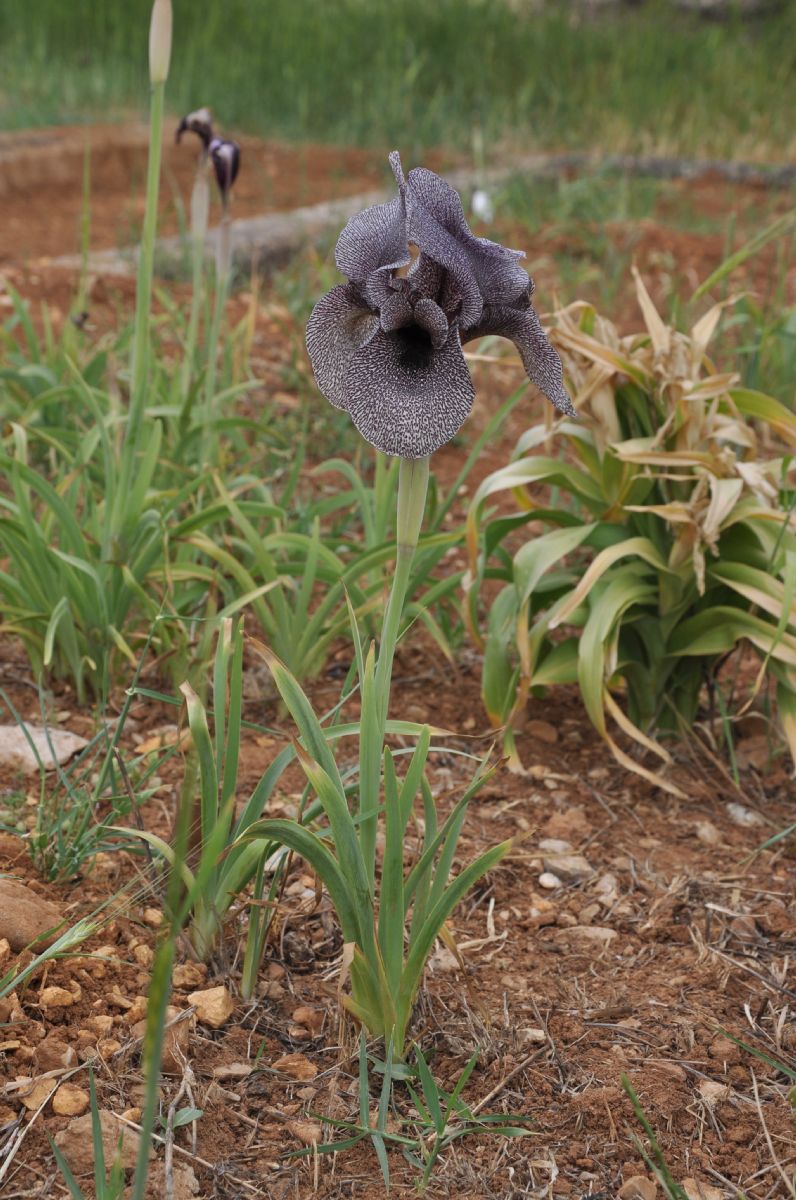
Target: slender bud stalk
(200, 207)
(223, 267)
(121, 517)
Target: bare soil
(677, 938)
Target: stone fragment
(708, 834)
(587, 937)
(176, 1039)
(297, 1066)
(238, 1070)
(695, 1190)
(101, 1024)
(53, 1054)
(189, 975)
(572, 868)
(37, 1093)
(52, 746)
(549, 880)
(26, 916)
(5, 951)
(638, 1187)
(77, 1145)
(153, 917)
(713, 1092)
(739, 814)
(143, 954)
(214, 1006)
(311, 1018)
(307, 1132)
(136, 1010)
(555, 846)
(543, 731)
(58, 997)
(70, 1101)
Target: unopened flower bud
(225, 156)
(199, 122)
(160, 41)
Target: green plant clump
(666, 542)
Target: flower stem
(140, 355)
(223, 264)
(200, 200)
(412, 489)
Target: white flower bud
(160, 41)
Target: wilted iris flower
(225, 157)
(199, 122)
(387, 346)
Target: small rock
(638, 1187)
(175, 1041)
(555, 846)
(17, 755)
(77, 1144)
(532, 1036)
(572, 868)
(101, 1025)
(70, 1101)
(713, 1092)
(311, 1018)
(214, 1006)
(189, 975)
(708, 834)
(543, 731)
(58, 997)
(5, 951)
(572, 824)
(297, 1066)
(238, 1070)
(305, 1131)
(38, 1093)
(153, 917)
(548, 880)
(587, 937)
(25, 916)
(607, 889)
(136, 1010)
(701, 1191)
(587, 914)
(739, 814)
(107, 1047)
(53, 1055)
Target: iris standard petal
(429, 316)
(406, 398)
(373, 239)
(434, 241)
(339, 326)
(496, 268)
(541, 362)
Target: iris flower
(225, 157)
(387, 345)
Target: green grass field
(417, 73)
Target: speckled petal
(434, 242)
(497, 269)
(406, 398)
(429, 316)
(539, 357)
(395, 312)
(339, 327)
(373, 239)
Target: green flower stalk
(225, 159)
(159, 58)
(200, 123)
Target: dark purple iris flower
(387, 346)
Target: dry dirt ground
(670, 939)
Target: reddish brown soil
(679, 933)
